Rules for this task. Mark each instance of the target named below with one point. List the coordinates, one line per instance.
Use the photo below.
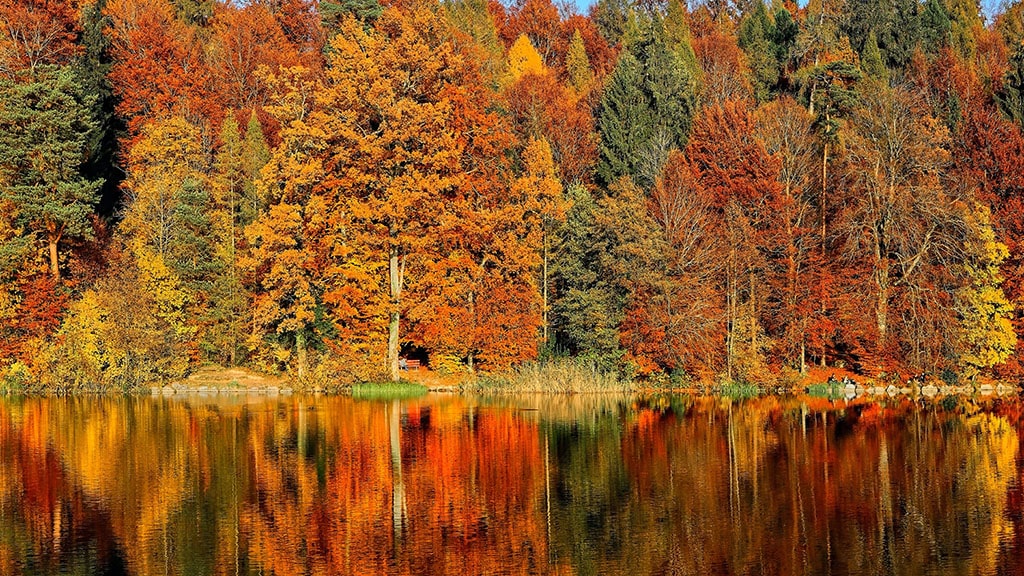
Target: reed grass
(557, 376)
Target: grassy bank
(562, 376)
(388, 391)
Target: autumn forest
(714, 192)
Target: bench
(412, 364)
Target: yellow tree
(987, 336)
(164, 167)
(283, 266)
(524, 59)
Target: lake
(449, 484)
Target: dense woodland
(724, 191)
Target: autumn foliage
(721, 192)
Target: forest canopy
(726, 191)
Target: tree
(44, 133)
(646, 110)
(286, 263)
(1011, 96)
(523, 59)
(741, 179)
(600, 253)
(935, 26)
(36, 34)
(158, 67)
(396, 162)
(899, 219)
(787, 132)
(871, 61)
(965, 26)
(333, 13)
(755, 38)
(255, 155)
(244, 41)
(540, 107)
(577, 65)
(675, 320)
(474, 20)
(985, 314)
(724, 72)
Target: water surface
(542, 485)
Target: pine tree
(965, 20)
(902, 35)
(680, 40)
(646, 110)
(756, 32)
(624, 121)
(935, 26)
(91, 68)
(1011, 96)
(333, 12)
(871, 60)
(45, 127)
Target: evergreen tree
(935, 26)
(610, 16)
(756, 32)
(871, 60)
(680, 40)
(333, 12)
(191, 251)
(784, 38)
(647, 106)
(625, 122)
(45, 127)
(91, 68)
(965, 19)
(601, 252)
(902, 35)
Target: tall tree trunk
(882, 305)
(53, 235)
(300, 349)
(54, 263)
(824, 230)
(395, 272)
(545, 290)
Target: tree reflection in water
(464, 485)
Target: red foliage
(540, 106)
(244, 40)
(37, 32)
(158, 68)
(38, 314)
